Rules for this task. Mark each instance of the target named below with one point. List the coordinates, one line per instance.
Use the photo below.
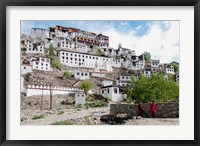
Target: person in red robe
(153, 109)
(141, 109)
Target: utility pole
(50, 97)
(41, 100)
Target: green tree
(176, 67)
(147, 56)
(86, 86)
(156, 87)
(51, 50)
(54, 62)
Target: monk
(141, 109)
(153, 109)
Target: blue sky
(160, 38)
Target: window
(67, 58)
(42, 60)
(46, 64)
(86, 74)
(24, 67)
(63, 53)
(86, 56)
(75, 55)
(115, 90)
(93, 57)
(81, 74)
(36, 63)
(78, 73)
(63, 57)
(122, 77)
(108, 90)
(102, 91)
(79, 55)
(46, 68)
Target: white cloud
(161, 40)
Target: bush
(56, 63)
(66, 122)
(67, 74)
(96, 103)
(106, 99)
(38, 117)
(61, 112)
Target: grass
(95, 104)
(63, 123)
(61, 112)
(38, 117)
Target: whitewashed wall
(25, 69)
(45, 90)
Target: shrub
(66, 122)
(96, 103)
(56, 63)
(67, 74)
(38, 117)
(61, 112)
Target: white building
(98, 74)
(115, 93)
(39, 33)
(41, 63)
(147, 73)
(26, 68)
(155, 63)
(82, 75)
(65, 43)
(75, 59)
(80, 99)
(81, 47)
(106, 82)
(169, 69)
(33, 47)
(116, 62)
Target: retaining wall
(163, 110)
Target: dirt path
(68, 115)
(75, 114)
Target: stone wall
(163, 110)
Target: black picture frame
(5, 3)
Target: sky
(160, 38)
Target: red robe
(153, 110)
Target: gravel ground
(94, 115)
